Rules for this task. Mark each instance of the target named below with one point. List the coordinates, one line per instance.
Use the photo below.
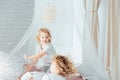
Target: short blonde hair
(64, 66)
(45, 30)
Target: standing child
(45, 51)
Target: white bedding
(42, 76)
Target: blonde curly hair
(45, 30)
(64, 66)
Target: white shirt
(35, 75)
(50, 51)
(53, 77)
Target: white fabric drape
(91, 21)
(102, 15)
(112, 40)
(84, 39)
(61, 30)
(63, 20)
(91, 13)
(91, 42)
(77, 32)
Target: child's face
(44, 38)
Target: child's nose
(44, 38)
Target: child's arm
(31, 65)
(36, 56)
(35, 59)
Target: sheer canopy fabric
(61, 30)
(73, 33)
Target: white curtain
(109, 38)
(102, 15)
(91, 15)
(112, 40)
(91, 22)
(77, 32)
(85, 42)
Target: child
(61, 69)
(45, 51)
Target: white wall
(15, 18)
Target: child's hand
(25, 57)
(28, 68)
